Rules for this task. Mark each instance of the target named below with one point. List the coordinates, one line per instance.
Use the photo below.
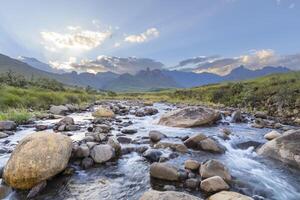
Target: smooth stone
(156, 136)
(152, 155)
(167, 195)
(114, 143)
(226, 195)
(272, 135)
(129, 131)
(82, 151)
(214, 168)
(210, 145)
(124, 140)
(214, 184)
(58, 110)
(102, 153)
(193, 141)
(164, 171)
(191, 164)
(179, 147)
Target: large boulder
(103, 112)
(226, 195)
(36, 158)
(59, 110)
(284, 148)
(214, 184)
(190, 117)
(102, 153)
(214, 168)
(167, 195)
(164, 171)
(7, 125)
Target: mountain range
(147, 79)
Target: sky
(63, 31)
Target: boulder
(192, 183)
(179, 147)
(214, 168)
(3, 135)
(102, 153)
(236, 116)
(115, 144)
(66, 121)
(272, 135)
(191, 164)
(36, 158)
(7, 125)
(209, 144)
(164, 171)
(58, 110)
(226, 195)
(284, 148)
(193, 141)
(124, 140)
(190, 117)
(87, 163)
(82, 151)
(103, 112)
(156, 136)
(152, 154)
(167, 195)
(214, 184)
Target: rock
(103, 112)
(66, 121)
(36, 189)
(72, 127)
(129, 131)
(88, 138)
(59, 110)
(150, 111)
(214, 168)
(260, 114)
(167, 195)
(164, 171)
(91, 144)
(236, 117)
(191, 164)
(193, 141)
(169, 188)
(247, 144)
(272, 135)
(115, 144)
(5, 190)
(102, 153)
(101, 128)
(190, 117)
(3, 135)
(7, 125)
(179, 147)
(72, 107)
(192, 183)
(210, 145)
(152, 154)
(214, 184)
(259, 123)
(226, 195)
(87, 163)
(124, 140)
(156, 136)
(82, 151)
(284, 148)
(37, 157)
(41, 127)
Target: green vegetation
(20, 116)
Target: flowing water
(128, 178)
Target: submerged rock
(36, 158)
(167, 195)
(214, 168)
(190, 117)
(164, 171)
(226, 195)
(284, 148)
(214, 184)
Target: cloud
(107, 63)
(143, 37)
(76, 39)
(255, 59)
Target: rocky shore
(180, 166)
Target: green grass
(20, 116)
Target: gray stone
(156, 136)
(102, 153)
(214, 168)
(7, 125)
(164, 171)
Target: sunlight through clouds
(143, 37)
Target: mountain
(142, 81)
(33, 62)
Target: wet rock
(102, 153)
(214, 168)
(214, 184)
(88, 138)
(169, 188)
(156, 136)
(103, 112)
(210, 145)
(190, 117)
(82, 151)
(191, 164)
(192, 183)
(164, 171)
(66, 121)
(41, 127)
(116, 145)
(69, 171)
(91, 144)
(129, 131)
(7, 125)
(72, 107)
(152, 155)
(193, 141)
(124, 140)
(150, 111)
(259, 123)
(247, 144)
(236, 117)
(3, 135)
(87, 163)
(5, 190)
(167, 195)
(272, 135)
(72, 127)
(179, 147)
(284, 148)
(141, 149)
(36, 190)
(61, 128)
(58, 110)
(101, 128)
(226, 195)
(37, 157)
(127, 150)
